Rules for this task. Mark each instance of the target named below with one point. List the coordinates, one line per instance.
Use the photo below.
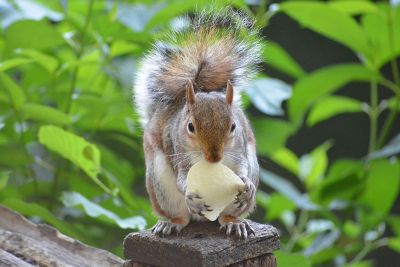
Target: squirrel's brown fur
(184, 92)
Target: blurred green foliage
(70, 143)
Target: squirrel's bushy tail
(209, 48)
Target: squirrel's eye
(233, 127)
(191, 127)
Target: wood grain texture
(202, 244)
(9, 260)
(42, 245)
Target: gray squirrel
(187, 93)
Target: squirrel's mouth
(213, 157)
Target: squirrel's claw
(196, 205)
(247, 195)
(162, 228)
(241, 228)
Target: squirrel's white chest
(168, 195)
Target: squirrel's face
(209, 124)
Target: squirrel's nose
(213, 157)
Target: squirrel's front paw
(246, 196)
(196, 205)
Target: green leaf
(322, 82)
(313, 165)
(74, 199)
(329, 22)
(394, 222)
(15, 93)
(21, 10)
(3, 179)
(352, 229)
(394, 244)
(286, 188)
(331, 106)
(291, 259)
(267, 95)
(74, 148)
(278, 204)
(382, 186)
(354, 7)
(122, 47)
(287, 159)
(172, 10)
(48, 62)
(275, 56)
(323, 241)
(31, 34)
(379, 36)
(33, 209)
(44, 114)
(271, 134)
(344, 181)
(14, 62)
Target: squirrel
(187, 93)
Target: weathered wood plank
(9, 260)
(45, 246)
(200, 244)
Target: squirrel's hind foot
(172, 226)
(235, 226)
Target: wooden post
(202, 244)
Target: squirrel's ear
(190, 94)
(229, 93)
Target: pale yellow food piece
(216, 184)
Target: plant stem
(81, 49)
(368, 248)
(303, 217)
(373, 114)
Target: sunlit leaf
(31, 34)
(382, 38)
(329, 22)
(72, 147)
(331, 106)
(313, 165)
(74, 199)
(48, 62)
(278, 204)
(15, 93)
(44, 114)
(287, 159)
(352, 7)
(271, 134)
(14, 62)
(352, 229)
(267, 94)
(121, 47)
(275, 56)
